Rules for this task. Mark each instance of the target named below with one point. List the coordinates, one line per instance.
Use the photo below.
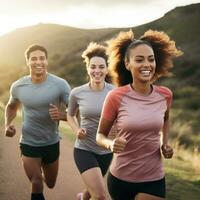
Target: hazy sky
(83, 13)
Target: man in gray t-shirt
(42, 96)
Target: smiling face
(141, 63)
(37, 63)
(97, 70)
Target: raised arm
(102, 134)
(116, 145)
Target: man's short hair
(34, 47)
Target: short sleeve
(65, 92)
(167, 93)
(110, 107)
(169, 99)
(13, 94)
(73, 104)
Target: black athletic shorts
(86, 160)
(123, 190)
(48, 154)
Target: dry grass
(189, 155)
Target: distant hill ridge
(65, 44)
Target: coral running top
(139, 119)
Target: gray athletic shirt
(89, 103)
(38, 128)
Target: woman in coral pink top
(140, 110)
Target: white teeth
(145, 72)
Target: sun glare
(10, 23)
(86, 15)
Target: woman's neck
(97, 86)
(142, 88)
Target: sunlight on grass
(183, 174)
(183, 181)
(1, 116)
(191, 155)
(65, 129)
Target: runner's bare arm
(73, 122)
(166, 148)
(116, 145)
(10, 114)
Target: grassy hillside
(65, 45)
(58, 40)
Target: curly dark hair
(93, 50)
(119, 50)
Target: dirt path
(14, 184)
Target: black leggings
(86, 160)
(123, 190)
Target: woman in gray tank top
(91, 160)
